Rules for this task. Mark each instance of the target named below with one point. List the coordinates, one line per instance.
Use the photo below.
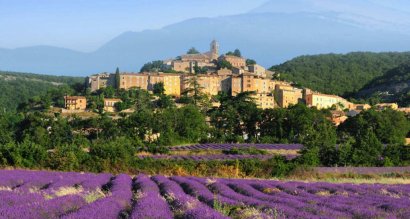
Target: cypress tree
(117, 78)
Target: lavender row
(214, 157)
(193, 197)
(187, 206)
(48, 182)
(232, 146)
(149, 198)
(111, 206)
(363, 170)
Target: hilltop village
(212, 74)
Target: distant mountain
(266, 35)
(374, 14)
(393, 86)
(340, 74)
(17, 88)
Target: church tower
(214, 52)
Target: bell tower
(214, 50)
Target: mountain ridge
(269, 38)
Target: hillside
(341, 74)
(394, 86)
(19, 87)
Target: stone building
(109, 104)
(75, 103)
(172, 83)
(286, 95)
(134, 80)
(258, 70)
(264, 100)
(325, 101)
(383, 106)
(210, 84)
(235, 61)
(188, 62)
(98, 81)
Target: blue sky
(85, 25)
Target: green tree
(193, 91)
(237, 53)
(159, 88)
(117, 79)
(367, 151)
(191, 123)
(192, 50)
(165, 101)
(389, 126)
(340, 74)
(250, 62)
(154, 66)
(221, 64)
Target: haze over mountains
(272, 33)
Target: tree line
(34, 137)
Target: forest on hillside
(17, 88)
(394, 86)
(340, 74)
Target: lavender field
(214, 157)
(211, 146)
(41, 194)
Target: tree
(272, 125)
(117, 79)
(389, 126)
(165, 101)
(159, 88)
(154, 66)
(237, 53)
(221, 64)
(192, 50)
(191, 123)
(200, 70)
(250, 62)
(194, 92)
(367, 151)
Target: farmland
(42, 194)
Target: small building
(352, 113)
(235, 61)
(238, 71)
(257, 69)
(362, 106)
(224, 72)
(182, 66)
(405, 110)
(383, 106)
(286, 95)
(285, 98)
(325, 101)
(338, 117)
(98, 81)
(264, 100)
(75, 103)
(109, 104)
